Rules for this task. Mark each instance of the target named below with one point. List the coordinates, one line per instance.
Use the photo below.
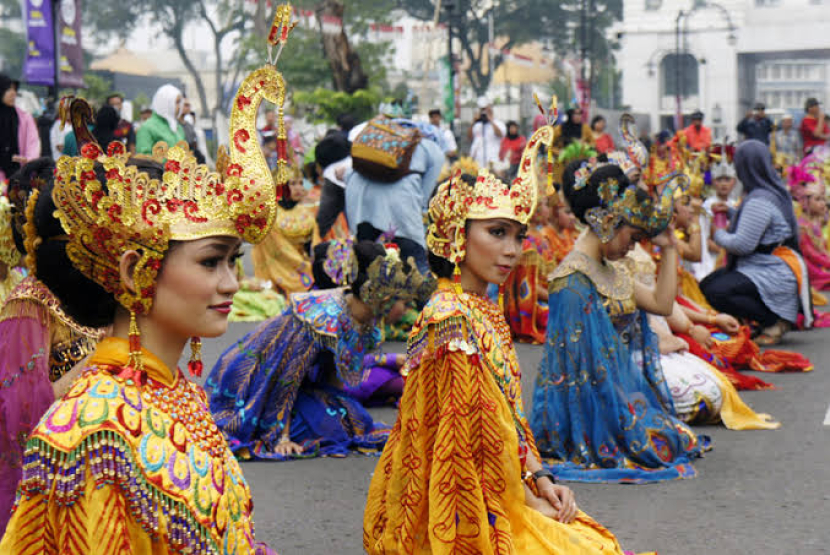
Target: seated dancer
(525, 292)
(601, 408)
(276, 393)
(10, 274)
(133, 439)
(42, 339)
(561, 234)
(812, 242)
(700, 392)
(130, 458)
(765, 281)
(284, 257)
(460, 472)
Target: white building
(732, 54)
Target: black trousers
(732, 292)
(332, 203)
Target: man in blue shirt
(373, 207)
(756, 125)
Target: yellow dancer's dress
(130, 462)
(281, 257)
(450, 478)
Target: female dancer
(601, 408)
(130, 458)
(279, 393)
(42, 339)
(284, 257)
(460, 472)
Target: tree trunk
(176, 32)
(344, 62)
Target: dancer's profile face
(195, 287)
(493, 250)
(624, 240)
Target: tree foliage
(324, 105)
(519, 22)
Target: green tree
(325, 104)
(519, 22)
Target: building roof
(124, 61)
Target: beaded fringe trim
(110, 461)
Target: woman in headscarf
(765, 280)
(19, 140)
(163, 125)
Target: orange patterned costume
(449, 480)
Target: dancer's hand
(727, 323)
(288, 448)
(702, 336)
(666, 239)
(561, 499)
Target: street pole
(678, 116)
(450, 58)
(583, 47)
(53, 90)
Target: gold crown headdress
(634, 149)
(136, 211)
(651, 215)
(388, 281)
(9, 255)
(455, 201)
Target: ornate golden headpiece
(9, 255)
(137, 211)
(388, 282)
(455, 202)
(649, 214)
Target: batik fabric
(130, 462)
(450, 477)
(280, 377)
(602, 411)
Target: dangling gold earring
(195, 366)
(456, 278)
(501, 297)
(135, 344)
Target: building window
(653, 5)
(680, 72)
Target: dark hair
(595, 120)
(440, 266)
(318, 259)
(512, 122)
(586, 198)
(82, 299)
(345, 122)
(106, 122)
(366, 252)
(114, 95)
(435, 112)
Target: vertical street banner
(69, 47)
(39, 66)
(447, 89)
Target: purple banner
(39, 67)
(70, 49)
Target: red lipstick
(223, 308)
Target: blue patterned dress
(601, 409)
(281, 374)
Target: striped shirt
(762, 224)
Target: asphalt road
(756, 492)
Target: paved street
(757, 492)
